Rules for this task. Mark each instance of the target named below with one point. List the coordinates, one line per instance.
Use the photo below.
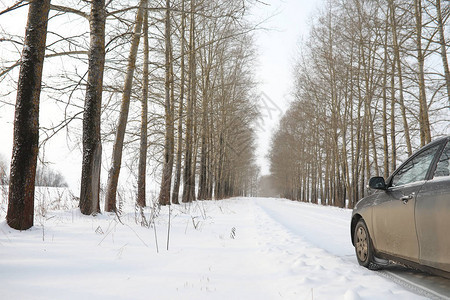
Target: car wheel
(363, 246)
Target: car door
(433, 216)
(393, 215)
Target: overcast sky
(277, 47)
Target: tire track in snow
(410, 282)
(311, 225)
(301, 268)
(324, 227)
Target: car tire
(363, 246)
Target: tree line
(168, 83)
(372, 84)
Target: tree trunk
(176, 186)
(363, 165)
(166, 181)
(203, 189)
(189, 181)
(192, 183)
(443, 48)
(92, 146)
(142, 175)
(425, 133)
(211, 161)
(113, 176)
(219, 170)
(400, 76)
(20, 213)
(392, 121)
(385, 75)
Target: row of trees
(372, 84)
(178, 85)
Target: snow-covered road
(242, 248)
(327, 228)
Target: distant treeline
(372, 85)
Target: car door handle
(405, 199)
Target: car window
(416, 169)
(443, 168)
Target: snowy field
(242, 248)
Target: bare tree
(177, 180)
(360, 56)
(189, 167)
(92, 146)
(26, 122)
(425, 134)
(396, 49)
(166, 181)
(144, 120)
(443, 46)
(210, 73)
(113, 175)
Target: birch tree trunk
(20, 213)
(92, 146)
(113, 176)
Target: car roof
(439, 140)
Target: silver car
(407, 219)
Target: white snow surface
(241, 248)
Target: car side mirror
(377, 183)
